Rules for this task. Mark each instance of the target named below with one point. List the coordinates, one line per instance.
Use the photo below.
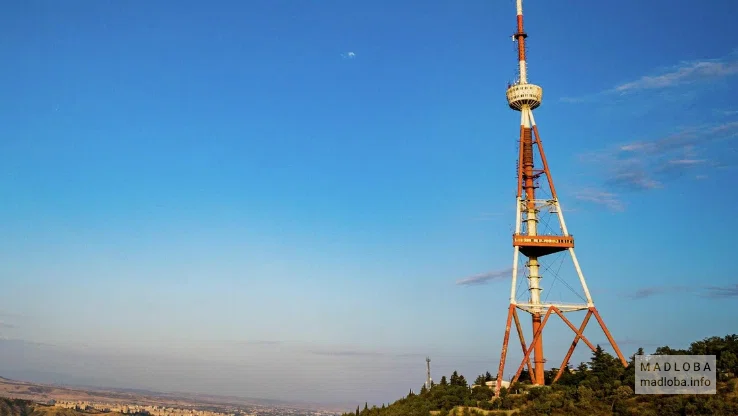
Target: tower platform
(542, 245)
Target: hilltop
(600, 387)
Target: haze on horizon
(301, 200)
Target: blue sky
(244, 197)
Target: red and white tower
(534, 242)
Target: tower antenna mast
(428, 377)
(524, 98)
(520, 36)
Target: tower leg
(609, 337)
(503, 355)
(538, 361)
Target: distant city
(91, 401)
(154, 410)
(138, 409)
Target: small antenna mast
(428, 377)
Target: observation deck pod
(520, 95)
(542, 245)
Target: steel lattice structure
(534, 243)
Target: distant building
(493, 384)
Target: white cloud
(608, 199)
(725, 113)
(712, 292)
(348, 55)
(647, 164)
(684, 73)
(482, 278)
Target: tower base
(512, 314)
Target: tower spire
(520, 36)
(533, 242)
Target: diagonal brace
(532, 344)
(579, 333)
(574, 345)
(522, 344)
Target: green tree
(585, 395)
(728, 363)
(621, 393)
(487, 376)
(482, 392)
(606, 371)
(670, 351)
(454, 379)
(461, 382)
(443, 381)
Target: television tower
(428, 377)
(531, 240)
